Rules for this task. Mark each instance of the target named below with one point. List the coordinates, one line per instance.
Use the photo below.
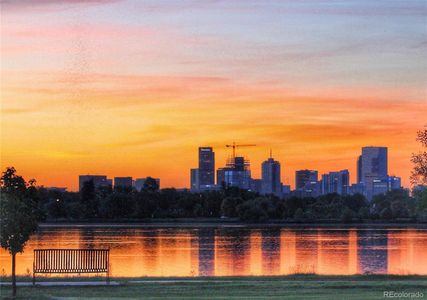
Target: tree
(228, 206)
(252, 210)
(419, 173)
(18, 216)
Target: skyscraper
(372, 166)
(194, 175)
(271, 177)
(206, 168)
(336, 182)
(306, 183)
(304, 177)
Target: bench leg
(34, 279)
(108, 278)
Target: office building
(206, 168)
(271, 183)
(194, 178)
(304, 178)
(394, 183)
(357, 188)
(256, 185)
(372, 166)
(335, 182)
(236, 173)
(98, 181)
(123, 183)
(203, 178)
(139, 183)
(286, 189)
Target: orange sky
(84, 90)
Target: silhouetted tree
(229, 205)
(419, 173)
(253, 210)
(18, 216)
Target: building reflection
(372, 252)
(206, 237)
(137, 252)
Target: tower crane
(234, 146)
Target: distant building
(139, 183)
(123, 183)
(307, 183)
(206, 168)
(394, 183)
(98, 181)
(56, 189)
(203, 178)
(372, 166)
(357, 188)
(382, 186)
(304, 178)
(256, 185)
(194, 177)
(286, 190)
(271, 177)
(236, 173)
(336, 182)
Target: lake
(238, 250)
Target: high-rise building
(306, 183)
(203, 178)
(271, 183)
(123, 183)
(372, 166)
(236, 173)
(194, 176)
(139, 183)
(305, 177)
(98, 181)
(206, 168)
(336, 182)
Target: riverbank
(277, 287)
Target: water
(138, 251)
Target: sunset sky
(134, 87)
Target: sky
(133, 88)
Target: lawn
(282, 287)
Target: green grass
(281, 287)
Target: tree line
(229, 202)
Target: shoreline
(220, 223)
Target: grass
(280, 287)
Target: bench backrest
(71, 260)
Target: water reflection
(139, 252)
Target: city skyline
(131, 88)
(330, 181)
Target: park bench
(71, 261)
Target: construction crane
(234, 146)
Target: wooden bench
(71, 261)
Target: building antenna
(271, 153)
